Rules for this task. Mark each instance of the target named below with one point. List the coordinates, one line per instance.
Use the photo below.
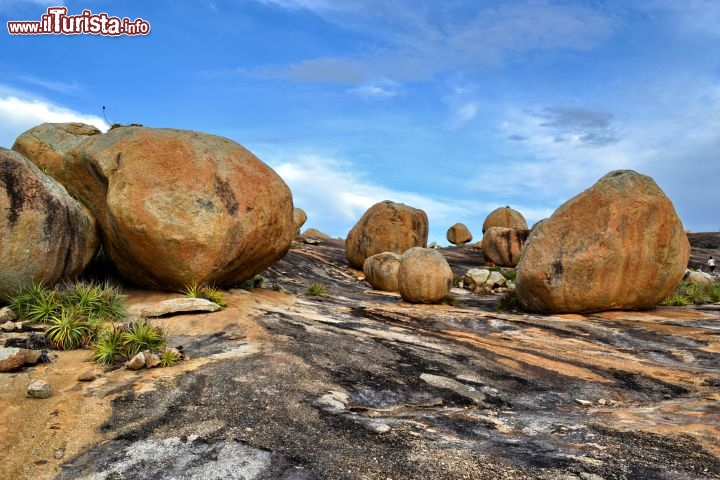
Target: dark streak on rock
(224, 191)
(9, 177)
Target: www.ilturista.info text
(57, 22)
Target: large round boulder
(617, 245)
(504, 217)
(179, 207)
(458, 234)
(381, 271)
(45, 235)
(503, 246)
(424, 276)
(386, 227)
(45, 145)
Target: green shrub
(108, 348)
(169, 357)
(141, 335)
(68, 330)
(696, 293)
(675, 300)
(316, 290)
(208, 292)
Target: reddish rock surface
(617, 245)
(505, 217)
(503, 246)
(45, 235)
(386, 227)
(179, 207)
(424, 276)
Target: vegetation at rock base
(450, 301)
(509, 303)
(693, 294)
(208, 292)
(170, 357)
(86, 313)
(316, 290)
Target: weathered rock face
(505, 217)
(46, 144)
(701, 278)
(177, 207)
(617, 245)
(424, 276)
(381, 271)
(299, 218)
(503, 246)
(386, 227)
(458, 234)
(45, 235)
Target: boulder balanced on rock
(178, 207)
(503, 246)
(504, 217)
(424, 276)
(386, 227)
(458, 234)
(45, 145)
(45, 235)
(617, 245)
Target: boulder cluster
(617, 245)
(169, 207)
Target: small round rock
(39, 389)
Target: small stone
(87, 376)
(8, 326)
(59, 453)
(602, 401)
(7, 315)
(39, 389)
(19, 326)
(137, 362)
(32, 356)
(151, 359)
(584, 403)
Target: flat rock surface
(352, 385)
(175, 306)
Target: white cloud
(19, 114)
(415, 42)
(379, 90)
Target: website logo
(57, 22)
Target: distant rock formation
(45, 235)
(299, 218)
(504, 217)
(424, 276)
(503, 246)
(617, 245)
(386, 227)
(458, 234)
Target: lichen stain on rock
(13, 186)
(224, 191)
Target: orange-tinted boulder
(458, 234)
(505, 217)
(381, 271)
(299, 218)
(45, 145)
(45, 235)
(424, 276)
(617, 245)
(503, 246)
(386, 227)
(179, 207)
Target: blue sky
(453, 106)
